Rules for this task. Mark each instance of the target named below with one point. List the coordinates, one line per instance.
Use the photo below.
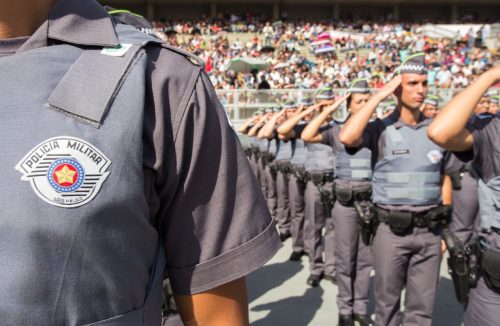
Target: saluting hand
(389, 88)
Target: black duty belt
(319, 178)
(401, 221)
(347, 197)
(283, 166)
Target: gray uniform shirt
(486, 146)
(203, 198)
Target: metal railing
(241, 104)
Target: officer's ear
(398, 91)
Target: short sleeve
(372, 133)
(212, 217)
(327, 136)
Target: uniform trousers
(483, 307)
(283, 205)
(315, 221)
(465, 209)
(352, 261)
(297, 206)
(412, 260)
(271, 190)
(254, 163)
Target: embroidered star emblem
(65, 175)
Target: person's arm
(286, 128)
(311, 133)
(268, 130)
(351, 134)
(229, 299)
(447, 190)
(253, 131)
(448, 128)
(244, 127)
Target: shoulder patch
(65, 171)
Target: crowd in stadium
(364, 49)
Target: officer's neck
(22, 17)
(409, 116)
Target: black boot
(331, 278)
(346, 320)
(296, 255)
(313, 280)
(284, 236)
(363, 320)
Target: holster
(458, 265)
(456, 180)
(274, 170)
(367, 221)
(490, 268)
(328, 200)
(299, 173)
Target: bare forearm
(447, 191)
(453, 118)
(288, 125)
(351, 134)
(254, 129)
(226, 305)
(244, 127)
(311, 131)
(267, 130)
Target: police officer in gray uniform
(407, 192)
(353, 187)
(292, 129)
(268, 154)
(120, 166)
(281, 165)
(450, 129)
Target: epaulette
(191, 57)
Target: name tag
(400, 152)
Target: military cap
(307, 100)
(359, 86)
(414, 64)
(495, 99)
(432, 100)
(289, 104)
(325, 93)
(277, 109)
(269, 110)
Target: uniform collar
(395, 117)
(79, 22)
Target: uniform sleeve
(214, 220)
(372, 133)
(327, 136)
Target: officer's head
(290, 108)
(325, 95)
(483, 106)
(431, 106)
(269, 113)
(360, 94)
(411, 94)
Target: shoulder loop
(191, 57)
(88, 88)
(394, 134)
(129, 34)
